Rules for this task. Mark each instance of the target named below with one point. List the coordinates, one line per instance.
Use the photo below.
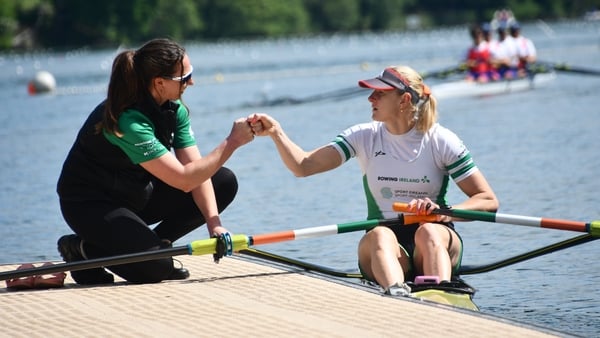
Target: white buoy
(43, 82)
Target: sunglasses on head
(185, 78)
(391, 77)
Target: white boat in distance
(465, 88)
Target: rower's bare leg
(381, 258)
(433, 257)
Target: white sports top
(525, 47)
(399, 168)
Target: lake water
(538, 149)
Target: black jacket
(97, 170)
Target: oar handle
(592, 228)
(466, 214)
(412, 219)
(404, 207)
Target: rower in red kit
(478, 57)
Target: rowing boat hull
(474, 89)
(459, 300)
(456, 293)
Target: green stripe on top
(474, 215)
(463, 170)
(460, 167)
(459, 162)
(345, 146)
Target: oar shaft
(473, 269)
(291, 235)
(566, 68)
(325, 230)
(592, 228)
(301, 264)
(97, 262)
(333, 229)
(559, 224)
(209, 246)
(545, 67)
(440, 74)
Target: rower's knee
(430, 235)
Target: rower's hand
(263, 124)
(422, 206)
(425, 206)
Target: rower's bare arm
(301, 163)
(481, 195)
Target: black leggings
(109, 228)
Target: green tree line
(30, 24)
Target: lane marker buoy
(43, 82)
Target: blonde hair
(425, 109)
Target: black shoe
(69, 247)
(178, 273)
